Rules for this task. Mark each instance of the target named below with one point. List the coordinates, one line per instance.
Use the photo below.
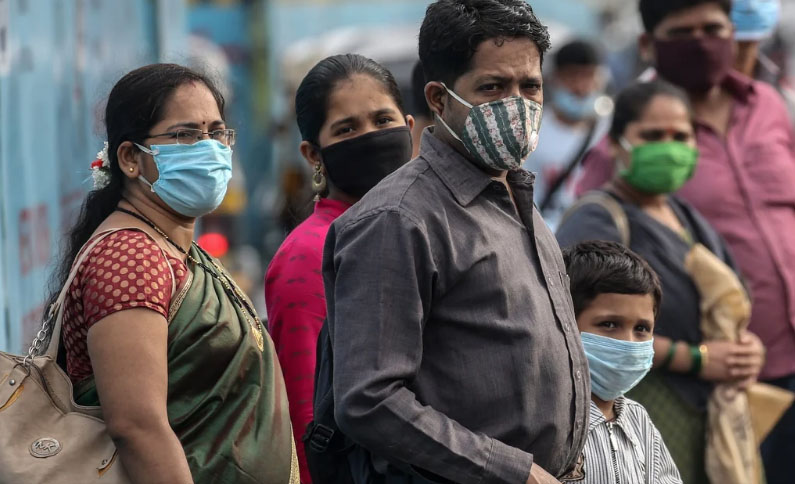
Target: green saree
(226, 397)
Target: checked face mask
(499, 135)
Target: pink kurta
(296, 310)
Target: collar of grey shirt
(462, 177)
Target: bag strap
(613, 208)
(570, 167)
(55, 311)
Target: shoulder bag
(45, 437)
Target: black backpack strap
(570, 167)
(326, 447)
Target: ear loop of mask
(627, 146)
(140, 176)
(460, 100)
(456, 96)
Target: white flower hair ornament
(100, 169)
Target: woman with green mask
(653, 143)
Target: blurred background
(60, 58)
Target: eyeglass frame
(173, 134)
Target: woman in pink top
(355, 132)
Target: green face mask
(661, 167)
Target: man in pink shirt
(745, 180)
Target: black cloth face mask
(356, 165)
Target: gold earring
(132, 169)
(318, 182)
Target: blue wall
(58, 61)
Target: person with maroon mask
(745, 180)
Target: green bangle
(695, 355)
(670, 356)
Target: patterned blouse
(296, 309)
(125, 270)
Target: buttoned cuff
(507, 465)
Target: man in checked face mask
(455, 349)
(496, 114)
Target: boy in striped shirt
(616, 296)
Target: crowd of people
(493, 287)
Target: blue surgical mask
(616, 365)
(193, 178)
(755, 19)
(573, 107)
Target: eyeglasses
(188, 136)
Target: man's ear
(646, 48)
(435, 96)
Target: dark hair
(419, 103)
(311, 99)
(135, 104)
(453, 29)
(602, 267)
(578, 53)
(631, 103)
(653, 12)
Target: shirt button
(579, 374)
(551, 282)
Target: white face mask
(616, 366)
(499, 135)
(193, 178)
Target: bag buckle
(320, 438)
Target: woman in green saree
(154, 329)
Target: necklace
(231, 289)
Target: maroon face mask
(694, 64)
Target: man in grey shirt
(456, 354)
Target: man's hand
(540, 476)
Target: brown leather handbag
(45, 437)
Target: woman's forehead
(665, 111)
(191, 102)
(358, 95)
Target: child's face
(628, 317)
